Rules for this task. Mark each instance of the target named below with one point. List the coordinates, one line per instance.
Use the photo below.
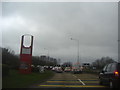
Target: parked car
(110, 75)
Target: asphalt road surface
(69, 80)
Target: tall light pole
(77, 48)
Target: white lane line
(79, 80)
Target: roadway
(69, 80)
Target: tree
(100, 63)
(9, 58)
(43, 61)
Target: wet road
(69, 80)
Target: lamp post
(77, 48)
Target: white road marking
(79, 80)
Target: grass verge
(17, 80)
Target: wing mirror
(103, 71)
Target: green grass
(17, 80)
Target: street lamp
(77, 49)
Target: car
(53, 69)
(59, 70)
(110, 75)
(41, 69)
(67, 69)
(76, 70)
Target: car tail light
(116, 73)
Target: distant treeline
(44, 61)
(12, 60)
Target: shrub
(35, 69)
(5, 70)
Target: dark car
(110, 75)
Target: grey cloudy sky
(52, 24)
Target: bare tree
(100, 63)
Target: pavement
(69, 80)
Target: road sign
(26, 56)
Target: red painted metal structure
(26, 57)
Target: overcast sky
(52, 24)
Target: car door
(107, 74)
(102, 74)
(112, 70)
